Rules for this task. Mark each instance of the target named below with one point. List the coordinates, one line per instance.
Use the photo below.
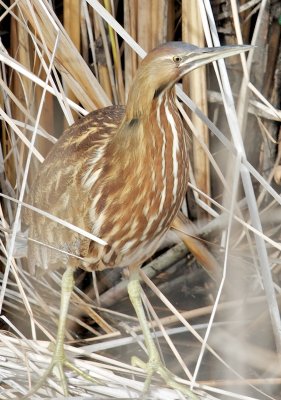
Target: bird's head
(167, 64)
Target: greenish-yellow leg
(58, 359)
(154, 364)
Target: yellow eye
(177, 59)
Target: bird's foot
(155, 366)
(57, 366)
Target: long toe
(155, 366)
(44, 378)
(57, 367)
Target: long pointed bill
(206, 55)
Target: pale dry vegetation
(60, 62)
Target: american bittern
(120, 173)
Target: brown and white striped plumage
(119, 173)
(124, 190)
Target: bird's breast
(139, 192)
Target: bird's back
(57, 189)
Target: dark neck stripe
(159, 90)
(133, 123)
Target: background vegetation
(62, 59)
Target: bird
(121, 174)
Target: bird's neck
(141, 113)
(145, 120)
(139, 102)
(142, 99)
(145, 89)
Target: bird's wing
(57, 187)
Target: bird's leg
(58, 359)
(154, 364)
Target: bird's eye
(177, 59)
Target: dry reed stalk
(71, 23)
(144, 24)
(76, 73)
(130, 25)
(159, 23)
(103, 60)
(22, 89)
(47, 120)
(116, 56)
(196, 85)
